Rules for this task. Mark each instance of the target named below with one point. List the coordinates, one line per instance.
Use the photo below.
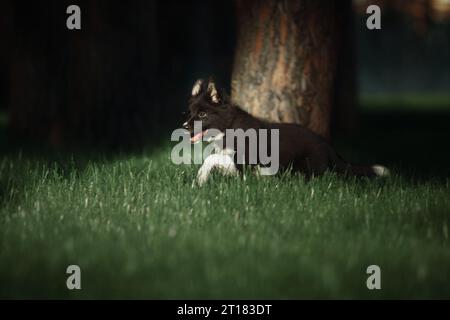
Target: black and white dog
(298, 148)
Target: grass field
(138, 229)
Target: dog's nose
(186, 125)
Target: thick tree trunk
(285, 60)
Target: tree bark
(285, 60)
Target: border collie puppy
(298, 148)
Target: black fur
(299, 148)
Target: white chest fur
(221, 160)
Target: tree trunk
(285, 60)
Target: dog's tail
(366, 171)
(370, 171)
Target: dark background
(125, 74)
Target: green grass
(138, 229)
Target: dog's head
(210, 106)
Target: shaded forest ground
(137, 228)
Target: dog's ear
(197, 88)
(213, 93)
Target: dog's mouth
(198, 137)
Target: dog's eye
(202, 114)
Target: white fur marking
(197, 87)
(222, 162)
(264, 171)
(214, 97)
(217, 137)
(380, 171)
(213, 92)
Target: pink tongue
(198, 136)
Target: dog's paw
(202, 177)
(203, 173)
